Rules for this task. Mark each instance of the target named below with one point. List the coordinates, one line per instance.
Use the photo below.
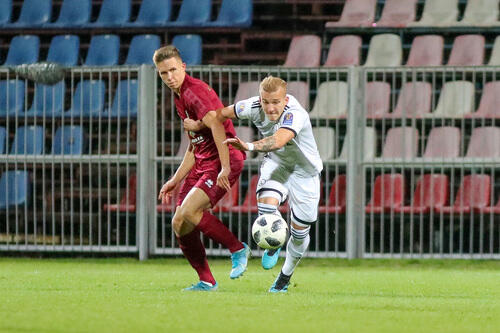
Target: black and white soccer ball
(269, 231)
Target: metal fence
(410, 159)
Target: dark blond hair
(271, 84)
(166, 52)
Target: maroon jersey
(196, 99)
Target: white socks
(295, 249)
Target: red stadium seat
(388, 194)
(377, 99)
(414, 100)
(249, 205)
(468, 50)
(431, 192)
(356, 13)
(489, 209)
(401, 142)
(484, 143)
(443, 142)
(246, 90)
(426, 51)
(336, 203)
(473, 194)
(300, 90)
(127, 202)
(490, 100)
(304, 51)
(229, 200)
(398, 13)
(344, 51)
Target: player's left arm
(222, 115)
(274, 142)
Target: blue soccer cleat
(240, 262)
(202, 286)
(281, 284)
(270, 260)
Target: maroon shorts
(204, 176)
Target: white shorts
(302, 192)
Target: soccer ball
(269, 231)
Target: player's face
(273, 103)
(172, 72)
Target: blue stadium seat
(3, 140)
(28, 140)
(15, 188)
(73, 13)
(11, 97)
(153, 13)
(233, 13)
(64, 50)
(69, 140)
(189, 47)
(33, 13)
(48, 100)
(125, 100)
(193, 13)
(113, 13)
(104, 50)
(88, 99)
(5, 12)
(23, 50)
(141, 50)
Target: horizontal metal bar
(47, 158)
(68, 248)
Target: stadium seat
(484, 143)
(331, 101)
(5, 12)
(438, 13)
(377, 99)
(489, 209)
(414, 100)
(15, 188)
(473, 194)
(88, 99)
(401, 142)
(388, 193)
(495, 53)
(246, 90)
(426, 50)
(245, 133)
(141, 49)
(398, 13)
(68, 140)
(344, 51)
(48, 100)
(490, 100)
(11, 97)
(300, 90)
(23, 49)
(480, 13)
(456, 100)
(356, 13)
(3, 140)
(385, 50)
(229, 200)
(369, 146)
(249, 204)
(336, 202)
(443, 142)
(28, 140)
(113, 13)
(468, 50)
(152, 13)
(103, 50)
(64, 49)
(124, 101)
(193, 13)
(233, 14)
(190, 48)
(34, 13)
(128, 198)
(431, 193)
(304, 51)
(326, 137)
(74, 13)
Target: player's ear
(184, 66)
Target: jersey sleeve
(244, 109)
(203, 100)
(293, 120)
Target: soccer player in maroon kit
(209, 169)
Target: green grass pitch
(125, 295)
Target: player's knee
(177, 222)
(189, 215)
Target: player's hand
(223, 179)
(166, 191)
(191, 125)
(236, 143)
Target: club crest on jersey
(241, 108)
(288, 119)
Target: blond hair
(166, 52)
(271, 84)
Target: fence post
(145, 153)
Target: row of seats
(118, 13)
(30, 140)
(104, 50)
(385, 50)
(402, 13)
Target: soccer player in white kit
(291, 167)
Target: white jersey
(301, 153)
